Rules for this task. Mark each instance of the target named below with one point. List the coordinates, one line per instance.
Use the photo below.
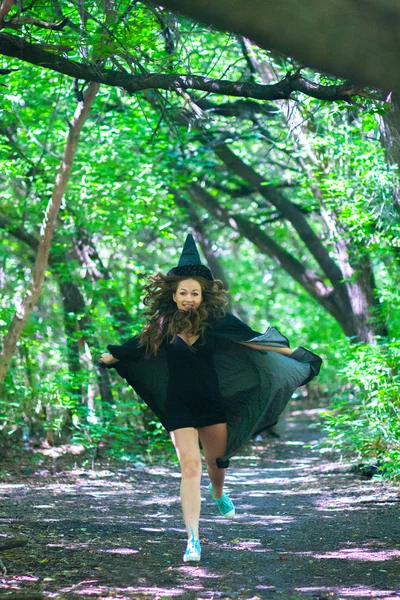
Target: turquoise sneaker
(193, 550)
(224, 504)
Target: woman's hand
(108, 359)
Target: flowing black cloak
(255, 385)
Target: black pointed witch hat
(189, 263)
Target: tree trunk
(19, 321)
(74, 305)
(364, 315)
(5, 8)
(94, 267)
(366, 308)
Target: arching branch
(305, 276)
(35, 54)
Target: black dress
(255, 386)
(193, 395)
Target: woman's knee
(191, 467)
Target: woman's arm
(287, 351)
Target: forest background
(123, 126)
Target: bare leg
(186, 442)
(213, 439)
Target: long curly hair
(165, 320)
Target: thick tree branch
(237, 192)
(17, 47)
(348, 38)
(287, 209)
(17, 22)
(240, 108)
(18, 232)
(307, 278)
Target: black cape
(255, 385)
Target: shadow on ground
(305, 527)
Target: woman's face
(188, 295)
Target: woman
(197, 369)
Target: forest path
(305, 527)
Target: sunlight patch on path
(351, 592)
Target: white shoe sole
(229, 515)
(191, 558)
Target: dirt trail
(305, 527)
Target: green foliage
(120, 222)
(363, 420)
